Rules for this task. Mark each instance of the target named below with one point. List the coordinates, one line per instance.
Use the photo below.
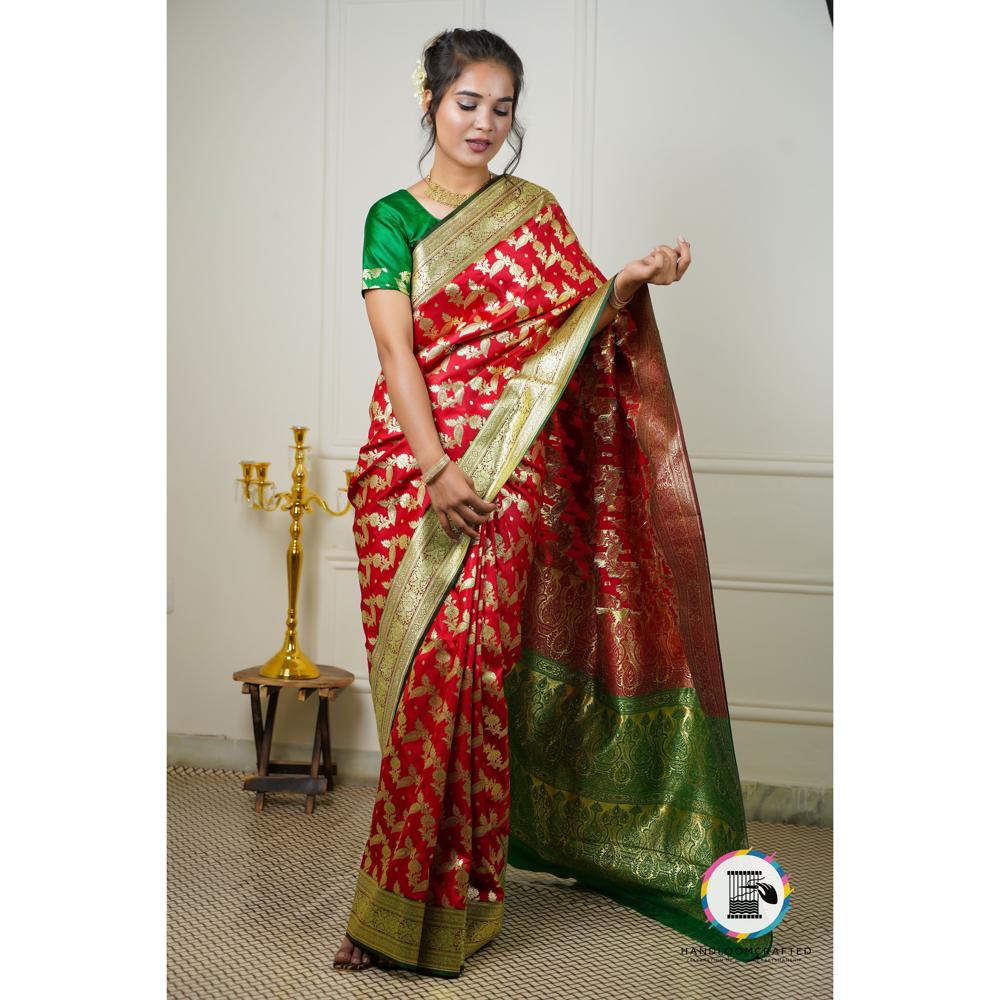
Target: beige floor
(258, 904)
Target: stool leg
(325, 733)
(265, 749)
(258, 725)
(314, 763)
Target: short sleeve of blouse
(386, 259)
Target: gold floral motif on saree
(432, 559)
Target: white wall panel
(245, 187)
(373, 142)
(783, 754)
(776, 649)
(714, 122)
(768, 528)
(550, 38)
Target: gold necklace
(437, 193)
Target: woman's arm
(452, 492)
(663, 265)
(391, 319)
(624, 289)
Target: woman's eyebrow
(472, 93)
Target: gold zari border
(437, 938)
(432, 559)
(448, 249)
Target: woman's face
(475, 114)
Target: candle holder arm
(280, 501)
(321, 503)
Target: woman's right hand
(454, 497)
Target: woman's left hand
(663, 265)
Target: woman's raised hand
(663, 265)
(460, 509)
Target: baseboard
(793, 804)
(354, 767)
(797, 805)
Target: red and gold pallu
(551, 695)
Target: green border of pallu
(515, 422)
(659, 906)
(520, 855)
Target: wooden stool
(326, 687)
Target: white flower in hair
(419, 79)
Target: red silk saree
(550, 696)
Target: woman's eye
(472, 107)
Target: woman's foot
(350, 956)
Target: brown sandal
(341, 966)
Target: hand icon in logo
(767, 891)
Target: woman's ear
(427, 100)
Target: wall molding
(724, 465)
(584, 117)
(772, 584)
(329, 341)
(749, 465)
(752, 711)
(341, 559)
(473, 14)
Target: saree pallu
(550, 695)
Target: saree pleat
(432, 876)
(551, 695)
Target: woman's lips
(477, 144)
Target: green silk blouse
(395, 224)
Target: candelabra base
(290, 664)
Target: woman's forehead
(486, 78)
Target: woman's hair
(446, 57)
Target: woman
(535, 592)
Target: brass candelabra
(255, 489)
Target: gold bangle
(435, 470)
(616, 303)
